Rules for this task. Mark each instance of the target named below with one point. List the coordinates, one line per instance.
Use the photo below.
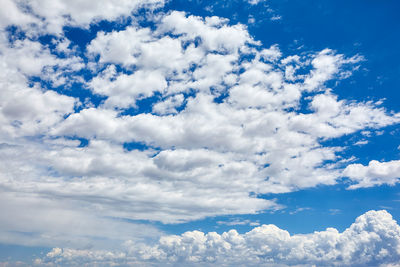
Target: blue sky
(199, 133)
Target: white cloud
(233, 222)
(124, 90)
(376, 173)
(333, 118)
(170, 188)
(361, 142)
(327, 64)
(52, 15)
(255, 2)
(169, 105)
(11, 13)
(372, 240)
(276, 17)
(56, 220)
(28, 110)
(214, 32)
(300, 210)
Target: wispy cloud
(234, 222)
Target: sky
(199, 133)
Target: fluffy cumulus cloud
(372, 240)
(180, 119)
(376, 173)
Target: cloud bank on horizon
(372, 240)
(171, 117)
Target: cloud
(170, 187)
(236, 221)
(11, 13)
(255, 2)
(372, 240)
(375, 173)
(51, 16)
(28, 110)
(56, 220)
(276, 17)
(326, 64)
(169, 105)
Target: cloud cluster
(372, 240)
(227, 119)
(50, 17)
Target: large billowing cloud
(372, 240)
(227, 120)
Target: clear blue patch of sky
(14, 253)
(382, 145)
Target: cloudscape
(199, 133)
